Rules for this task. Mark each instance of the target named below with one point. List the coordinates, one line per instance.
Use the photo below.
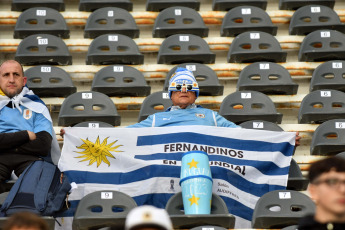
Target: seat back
(21, 5)
(342, 155)
(120, 80)
(153, 103)
(181, 48)
(88, 106)
(246, 18)
(207, 79)
(296, 180)
(226, 5)
(322, 105)
(261, 125)
(281, 208)
(268, 78)
(110, 20)
(91, 5)
(295, 4)
(209, 227)
(159, 5)
(94, 124)
(255, 46)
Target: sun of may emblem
(97, 152)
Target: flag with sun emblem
(145, 163)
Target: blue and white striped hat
(183, 78)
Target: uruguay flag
(145, 163)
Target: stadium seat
(342, 155)
(103, 209)
(207, 79)
(322, 45)
(43, 49)
(314, 17)
(119, 80)
(179, 20)
(226, 5)
(261, 125)
(93, 124)
(281, 208)
(329, 75)
(244, 106)
(21, 5)
(296, 181)
(88, 106)
(181, 48)
(41, 20)
(110, 49)
(246, 18)
(322, 105)
(268, 78)
(153, 103)
(328, 138)
(295, 4)
(208, 227)
(91, 5)
(219, 214)
(291, 227)
(159, 5)
(49, 81)
(110, 20)
(255, 46)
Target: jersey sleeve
(42, 124)
(144, 123)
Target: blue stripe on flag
(240, 210)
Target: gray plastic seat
(93, 124)
(291, 227)
(255, 46)
(49, 81)
(41, 49)
(208, 227)
(268, 78)
(179, 20)
(206, 77)
(91, 5)
(225, 5)
(246, 18)
(342, 155)
(261, 125)
(281, 208)
(41, 20)
(107, 208)
(314, 17)
(21, 5)
(322, 45)
(329, 75)
(153, 103)
(244, 106)
(296, 181)
(328, 138)
(109, 20)
(322, 105)
(295, 4)
(119, 80)
(88, 106)
(219, 214)
(110, 49)
(181, 48)
(159, 5)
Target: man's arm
(16, 139)
(144, 123)
(40, 146)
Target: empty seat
(219, 214)
(179, 20)
(21, 5)
(155, 102)
(329, 75)
(181, 48)
(109, 20)
(41, 20)
(43, 49)
(322, 105)
(244, 106)
(322, 45)
(225, 5)
(246, 18)
(103, 209)
(159, 5)
(281, 208)
(88, 106)
(207, 79)
(93, 124)
(255, 46)
(313, 17)
(328, 138)
(113, 49)
(296, 181)
(295, 4)
(268, 78)
(91, 5)
(49, 81)
(119, 80)
(261, 125)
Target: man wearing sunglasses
(327, 189)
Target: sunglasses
(188, 87)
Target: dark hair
(25, 220)
(326, 165)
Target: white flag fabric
(145, 163)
